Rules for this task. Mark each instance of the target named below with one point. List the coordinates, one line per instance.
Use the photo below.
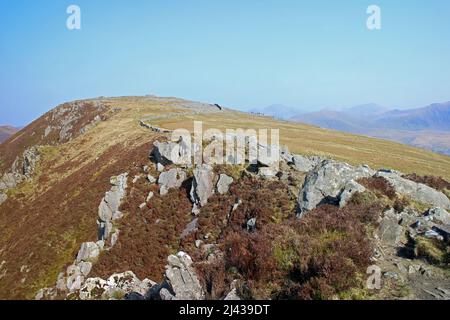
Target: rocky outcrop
(182, 278)
(171, 179)
(202, 186)
(181, 283)
(117, 286)
(66, 118)
(21, 170)
(416, 191)
(108, 210)
(89, 251)
(74, 277)
(327, 181)
(166, 153)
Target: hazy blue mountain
(427, 127)
(331, 119)
(6, 132)
(364, 110)
(432, 117)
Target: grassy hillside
(44, 220)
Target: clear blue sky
(242, 54)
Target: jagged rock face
(326, 182)
(202, 185)
(21, 170)
(183, 280)
(109, 206)
(223, 184)
(66, 118)
(173, 178)
(416, 191)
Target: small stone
(251, 225)
(431, 234)
(151, 178)
(198, 243)
(149, 197)
(136, 179)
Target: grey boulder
(182, 279)
(171, 179)
(416, 191)
(326, 182)
(223, 184)
(88, 252)
(202, 185)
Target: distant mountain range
(427, 127)
(6, 132)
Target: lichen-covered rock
(120, 284)
(92, 289)
(171, 179)
(183, 280)
(325, 183)
(202, 185)
(223, 184)
(117, 286)
(416, 191)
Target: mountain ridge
(61, 166)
